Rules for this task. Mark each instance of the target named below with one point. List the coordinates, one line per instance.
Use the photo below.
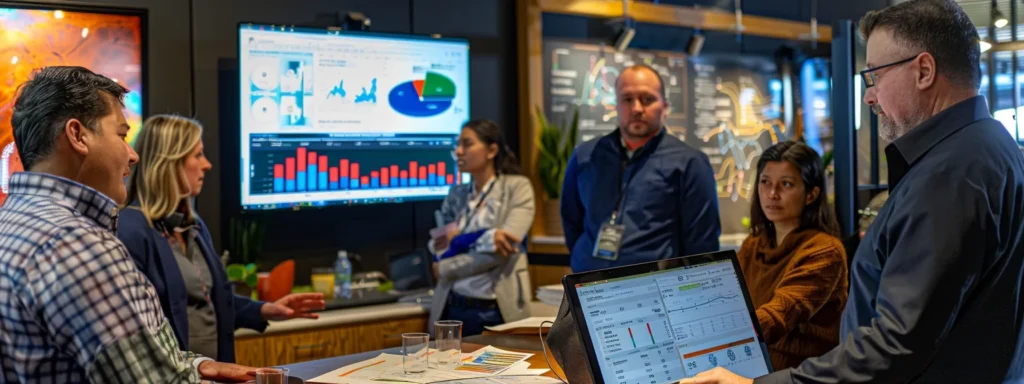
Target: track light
(696, 43)
(998, 19)
(985, 45)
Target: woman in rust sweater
(793, 262)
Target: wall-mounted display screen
(331, 117)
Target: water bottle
(342, 276)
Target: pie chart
(423, 98)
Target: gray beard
(890, 129)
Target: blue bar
(302, 180)
(344, 182)
(431, 179)
(311, 169)
(374, 182)
(289, 185)
(323, 181)
(278, 185)
(394, 182)
(334, 185)
(354, 184)
(413, 182)
(405, 182)
(423, 181)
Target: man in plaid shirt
(73, 306)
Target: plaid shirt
(73, 306)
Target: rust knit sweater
(799, 289)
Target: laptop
(666, 320)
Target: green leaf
(250, 269)
(236, 272)
(251, 280)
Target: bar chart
(308, 170)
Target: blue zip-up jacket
(669, 207)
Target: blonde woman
(172, 245)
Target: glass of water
(270, 376)
(449, 343)
(415, 347)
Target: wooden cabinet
(320, 343)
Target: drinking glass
(415, 347)
(283, 370)
(449, 343)
(269, 376)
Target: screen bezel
(297, 28)
(569, 282)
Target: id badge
(609, 239)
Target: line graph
(713, 300)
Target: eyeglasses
(870, 77)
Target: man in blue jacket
(638, 194)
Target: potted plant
(245, 242)
(555, 144)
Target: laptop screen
(664, 326)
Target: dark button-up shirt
(669, 200)
(935, 293)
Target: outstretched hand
(296, 305)
(225, 372)
(718, 375)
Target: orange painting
(108, 44)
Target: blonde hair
(157, 180)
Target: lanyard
(483, 197)
(624, 161)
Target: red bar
(394, 170)
(432, 169)
(289, 165)
(423, 172)
(413, 169)
(323, 164)
(343, 167)
(301, 155)
(403, 174)
(334, 174)
(278, 171)
(385, 178)
(355, 171)
(451, 179)
(364, 181)
(375, 174)
(311, 159)
(440, 170)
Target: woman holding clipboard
(480, 260)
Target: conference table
(519, 343)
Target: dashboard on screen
(333, 117)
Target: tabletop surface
(520, 343)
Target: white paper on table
(363, 372)
(387, 367)
(523, 369)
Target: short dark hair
(939, 27)
(635, 67)
(816, 215)
(53, 96)
(487, 131)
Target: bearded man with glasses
(935, 286)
